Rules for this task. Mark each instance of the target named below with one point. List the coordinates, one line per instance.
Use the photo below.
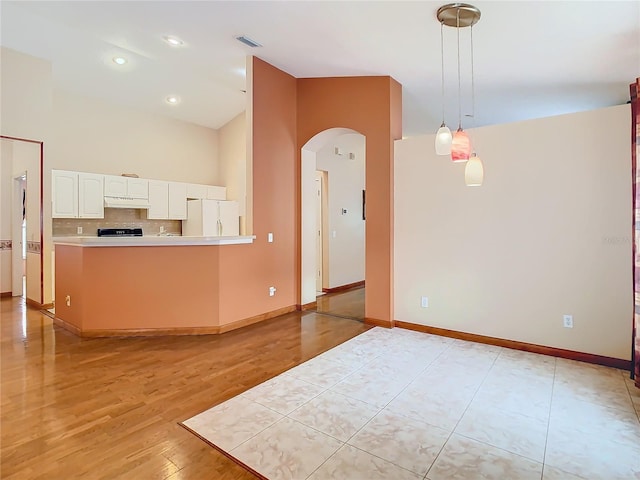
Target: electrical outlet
(161, 228)
(270, 237)
(272, 291)
(424, 302)
(67, 299)
(567, 321)
(79, 230)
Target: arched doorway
(333, 161)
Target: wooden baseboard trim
(379, 323)
(150, 332)
(516, 345)
(342, 288)
(258, 318)
(307, 306)
(176, 331)
(5, 294)
(38, 305)
(67, 326)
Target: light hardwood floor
(347, 304)
(108, 408)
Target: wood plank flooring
(347, 304)
(108, 408)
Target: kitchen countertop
(151, 241)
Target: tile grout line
(633, 405)
(377, 413)
(546, 438)
(462, 416)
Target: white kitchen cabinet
(158, 200)
(64, 194)
(115, 186)
(137, 187)
(216, 193)
(208, 192)
(196, 191)
(118, 186)
(90, 195)
(76, 195)
(211, 218)
(177, 201)
(167, 200)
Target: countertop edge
(151, 241)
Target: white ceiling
(532, 58)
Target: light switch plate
(270, 237)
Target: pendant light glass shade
(460, 146)
(474, 171)
(443, 140)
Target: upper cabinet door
(177, 201)
(158, 200)
(115, 186)
(64, 194)
(90, 195)
(216, 193)
(195, 191)
(138, 187)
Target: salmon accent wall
(371, 106)
(247, 271)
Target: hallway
(347, 304)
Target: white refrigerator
(211, 218)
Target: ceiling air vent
(247, 41)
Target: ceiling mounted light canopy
(173, 99)
(119, 60)
(459, 15)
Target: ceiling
(531, 58)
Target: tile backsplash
(114, 218)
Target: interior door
(18, 237)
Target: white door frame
(320, 237)
(18, 264)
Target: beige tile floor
(397, 404)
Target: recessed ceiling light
(173, 41)
(119, 60)
(173, 99)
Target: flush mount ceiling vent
(247, 41)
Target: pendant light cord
(459, 83)
(442, 66)
(473, 85)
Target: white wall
(345, 185)
(549, 233)
(25, 95)
(5, 214)
(25, 158)
(91, 135)
(232, 154)
(25, 112)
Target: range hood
(126, 202)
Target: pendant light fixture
(473, 170)
(443, 135)
(459, 15)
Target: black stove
(119, 232)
